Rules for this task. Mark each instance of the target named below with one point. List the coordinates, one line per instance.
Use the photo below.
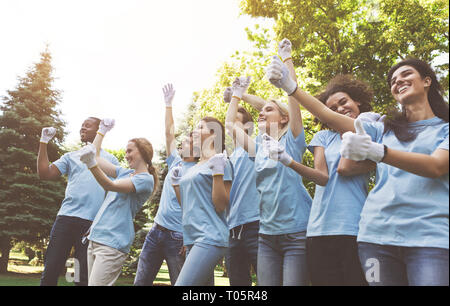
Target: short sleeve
(319, 140)
(173, 159)
(122, 171)
(295, 146)
(143, 183)
(63, 164)
(374, 130)
(444, 145)
(228, 175)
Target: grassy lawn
(22, 274)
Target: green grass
(21, 274)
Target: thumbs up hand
(359, 146)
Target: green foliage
(359, 37)
(28, 205)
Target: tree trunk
(5, 248)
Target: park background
(62, 62)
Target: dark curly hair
(357, 90)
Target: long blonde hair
(284, 111)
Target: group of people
(252, 207)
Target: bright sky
(111, 58)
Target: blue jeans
(159, 245)
(242, 254)
(386, 265)
(334, 261)
(198, 269)
(282, 260)
(66, 233)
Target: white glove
(176, 175)
(106, 125)
(360, 146)
(285, 49)
(169, 93)
(227, 94)
(240, 86)
(217, 163)
(87, 155)
(276, 150)
(47, 134)
(278, 75)
(371, 117)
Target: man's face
(88, 130)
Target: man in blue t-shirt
(82, 200)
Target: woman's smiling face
(407, 83)
(343, 104)
(270, 115)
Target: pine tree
(28, 206)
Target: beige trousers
(104, 264)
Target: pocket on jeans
(176, 236)
(296, 236)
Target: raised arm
(295, 115)
(45, 170)
(278, 75)
(169, 93)
(240, 84)
(255, 101)
(106, 166)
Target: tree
(28, 206)
(360, 37)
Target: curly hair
(357, 90)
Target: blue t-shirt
(284, 201)
(336, 207)
(201, 222)
(405, 209)
(244, 205)
(169, 212)
(113, 224)
(84, 195)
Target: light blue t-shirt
(336, 207)
(405, 209)
(169, 212)
(201, 222)
(113, 224)
(284, 201)
(244, 205)
(84, 195)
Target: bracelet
(385, 152)
(100, 133)
(296, 87)
(285, 60)
(236, 97)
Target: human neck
(420, 110)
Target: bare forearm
(348, 167)
(333, 119)
(177, 193)
(220, 196)
(317, 176)
(102, 179)
(432, 166)
(255, 101)
(45, 170)
(169, 131)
